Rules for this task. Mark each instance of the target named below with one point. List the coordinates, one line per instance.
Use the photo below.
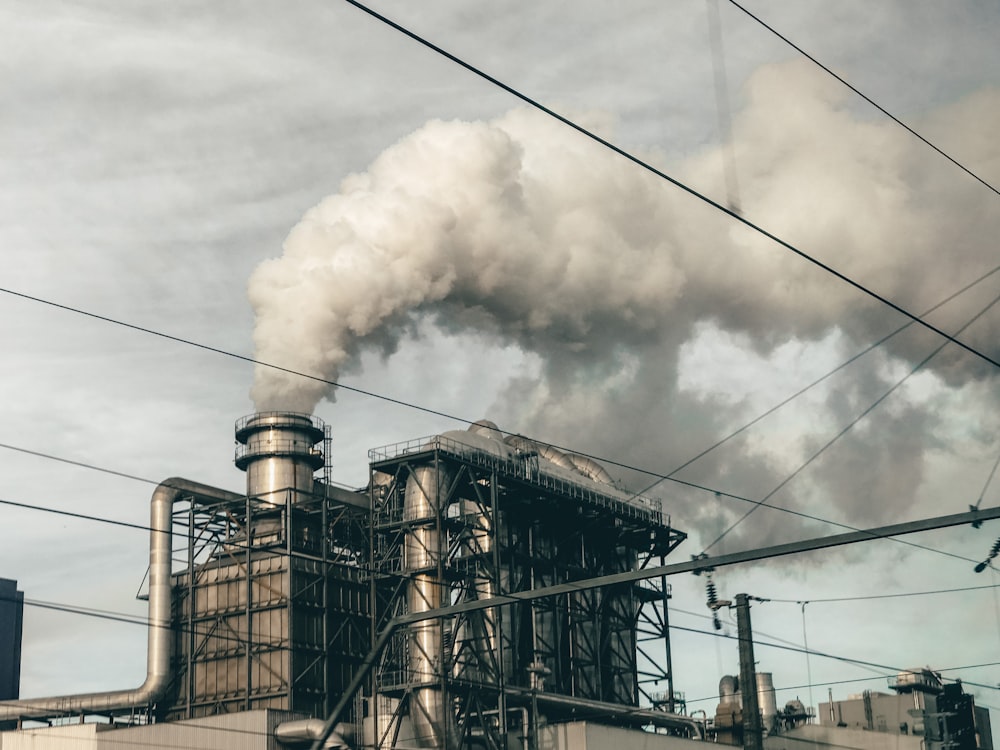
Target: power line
(856, 679)
(757, 633)
(620, 151)
(795, 648)
(633, 576)
(819, 380)
(692, 485)
(825, 655)
(849, 426)
(589, 134)
(80, 464)
(871, 597)
(868, 99)
(672, 180)
(136, 620)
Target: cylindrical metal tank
(727, 691)
(425, 490)
(767, 700)
(278, 452)
(476, 646)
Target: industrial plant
(301, 614)
(265, 604)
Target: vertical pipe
(324, 536)
(374, 557)
(805, 645)
(161, 635)
(287, 592)
(752, 736)
(498, 611)
(665, 588)
(189, 656)
(247, 611)
(422, 507)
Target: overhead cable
(868, 99)
(728, 495)
(674, 181)
(834, 371)
(849, 426)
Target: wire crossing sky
(307, 176)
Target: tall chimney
(278, 452)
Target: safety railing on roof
(524, 466)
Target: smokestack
(278, 452)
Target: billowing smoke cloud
(512, 226)
(523, 231)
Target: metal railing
(525, 468)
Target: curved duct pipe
(727, 690)
(572, 461)
(160, 635)
(641, 716)
(488, 429)
(304, 731)
(589, 468)
(556, 456)
(521, 444)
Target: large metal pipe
(160, 638)
(425, 490)
(767, 702)
(300, 732)
(624, 714)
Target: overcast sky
(459, 251)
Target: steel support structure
(975, 516)
(270, 607)
(499, 526)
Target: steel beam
(735, 558)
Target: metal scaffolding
(453, 523)
(270, 604)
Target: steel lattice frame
(276, 620)
(498, 531)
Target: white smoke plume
(527, 232)
(509, 225)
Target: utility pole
(752, 732)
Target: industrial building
(265, 605)
(11, 617)
(922, 713)
(273, 608)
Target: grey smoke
(522, 231)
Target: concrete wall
(888, 713)
(582, 735)
(249, 730)
(816, 737)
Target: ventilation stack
(271, 611)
